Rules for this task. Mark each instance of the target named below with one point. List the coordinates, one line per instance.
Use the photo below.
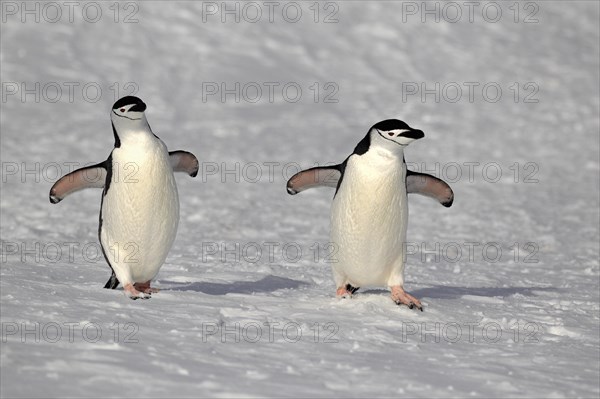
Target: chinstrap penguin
(369, 213)
(139, 211)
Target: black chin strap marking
(123, 116)
(401, 145)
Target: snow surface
(198, 336)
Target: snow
(523, 325)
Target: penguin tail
(112, 282)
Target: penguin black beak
(414, 134)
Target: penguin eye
(122, 110)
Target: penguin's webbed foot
(134, 294)
(345, 291)
(145, 288)
(401, 297)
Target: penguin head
(393, 134)
(128, 112)
(390, 135)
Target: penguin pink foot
(402, 297)
(346, 291)
(145, 288)
(134, 294)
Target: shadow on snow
(266, 284)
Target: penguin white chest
(368, 220)
(140, 210)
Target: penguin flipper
(93, 176)
(327, 176)
(429, 186)
(183, 161)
